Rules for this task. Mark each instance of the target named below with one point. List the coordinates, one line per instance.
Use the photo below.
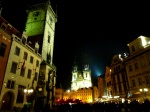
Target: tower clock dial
(36, 14)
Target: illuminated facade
(101, 86)
(81, 78)
(40, 28)
(118, 77)
(138, 66)
(59, 93)
(86, 95)
(21, 72)
(108, 82)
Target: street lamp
(144, 91)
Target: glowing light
(68, 90)
(123, 100)
(116, 96)
(144, 42)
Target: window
(125, 86)
(118, 78)
(123, 76)
(140, 81)
(37, 63)
(13, 67)
(35, 77)
(139, 45)
(17, 51)
(133, 83)
(114, 80)
(48, 38)
(22, 72)
(31, 59)
(136, 66)
(133, 48)
(10, 84)
(20, 95)
(25, 55)
(119, 85)
(147, 79)
(2, 49)
(148, 59)
(115, 88)
(142, 61)
(29, 73)
(130, 68)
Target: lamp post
(144, 91)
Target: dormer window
(133, 48)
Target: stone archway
(7, 101)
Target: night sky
(93, 28)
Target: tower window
(48, 38)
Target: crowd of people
(133, 106)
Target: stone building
(6, 30)
(138, 68)
(21, 72)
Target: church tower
(87, 73)
(40, 28)
(81, 78)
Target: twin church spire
(81, 74)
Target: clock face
(40, 89)
(36, 14)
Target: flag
(23, 65)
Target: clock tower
(40, 27)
